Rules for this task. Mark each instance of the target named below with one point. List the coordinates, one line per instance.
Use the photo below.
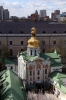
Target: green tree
(4, 54)
(53, 49)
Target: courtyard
(41, 96)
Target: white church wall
(57, 68)
(29, 50)
(21, 68)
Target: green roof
(7, 61)
(54, 58)
(27, 57)
(12, 87)
(58, 77)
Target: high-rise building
(54, 15)
(6, 14)
(42, 13)
(1, 12)
(57, 12)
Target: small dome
(33, 30)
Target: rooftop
(7, 61)
(54, 58)
(59, 78)
(12, 87)
(25, 26)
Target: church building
(34, 66)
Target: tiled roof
(11, 87)
(59, 77)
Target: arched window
(54, 32)
(31, 52)
(10, 32)
(21, 32)
(35, 52)
(11, 67)
(43, 32)
(64, 31)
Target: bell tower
(33, 48)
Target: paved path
(40, 96)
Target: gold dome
(33, 42)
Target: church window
(30, 73)
(30, 78)
(38, 73)
(38, 77)
(45, 71)
(35, 52)
(33, 72)
(31, 52)
(11, 67)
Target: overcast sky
(22, 8)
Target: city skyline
(22, 8)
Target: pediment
(39, 60)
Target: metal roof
(17, 27)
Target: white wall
(59, 68)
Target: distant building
(57, 12)
(1, 12)
(46, 18)
(42, 13)
(36, 12)
(6, 14)
(53, 15)
(34, 15)
(62, 16)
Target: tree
(53, 49)
(16, 19)
(62, 46)
(3, 56)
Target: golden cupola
(33, 42)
